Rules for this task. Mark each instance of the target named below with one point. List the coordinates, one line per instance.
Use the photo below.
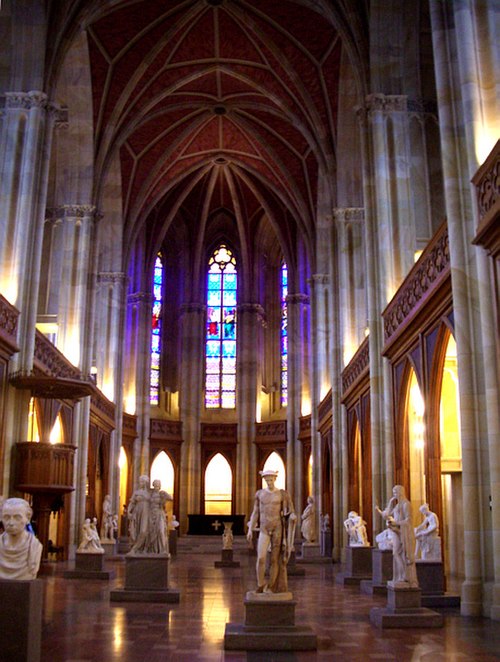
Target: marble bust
(20, 550)
(355, 526)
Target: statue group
(148, 528)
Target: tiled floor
(82, 625)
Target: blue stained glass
(155, 343)
(213, 348)
(214, 281)
(157, 292)
(228, 348)
(214, 298)
(229, 298)
(229, 281)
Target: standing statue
(397, 514)
(227, 536)
(355, 526)
(428, 542)
(274, 515)
(107, 528)
(20, 550)
(308, 517)
(138, 514)
(90, 542)
(157, 538)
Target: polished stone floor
(82, 625)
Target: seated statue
(308, 517)
(384, 540)
(20, 550)
(428, 542)
(355, 526)
(90, 542)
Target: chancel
(249, 237)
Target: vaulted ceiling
(214, 105)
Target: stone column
(465, 49)
(249, 334)
(193, 318)
(298, 373)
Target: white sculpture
(355, 526)
(90, 542)
(325, 522)
(274, 515)
(20, 550)
(308, 517)
(227, 536)
(148, 520)
(397, 514)
(428, 542)
(108, 520)
(384, 540)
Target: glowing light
(275, 463)
(56, 434)
(122, 460)
(9, 289)
(417, 255)
(218, 486)
(305, 406)
(485, 140)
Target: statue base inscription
(358, 566)
(227, 560)
(404, 610)
(88, 566)
(21, 619)
(146, 580)
(269, 625)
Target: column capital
(78, 211)
(139, 297)
(112, 277)
(319, 279)
(254, 309)
(349, 214)
(387, 103)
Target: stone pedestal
(109, 547)
(172, 542)
(292, 569)
(227, 560)
(430, 575)
(358, 566)
(310, 552)
(325, 543)
(404, 610)
(146, 580)
(381, 573)
(21, 620)
(123, 545)
(88, 566)
(269, 626)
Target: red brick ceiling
(189, 91)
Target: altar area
(212, 525)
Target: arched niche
(275, 462)
(218, 486)
(162, 469)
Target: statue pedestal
(292, 569)
(404, 610)
(146, 580)
(325, 542)
(172, 542)
(88, 566)
(123, 545)
(310, 552)
(381, 573)
(269, 625)
(430, 576)
(21, 619)
(358, 566)
(227, 560)
(109, 547)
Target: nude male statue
(274, 515)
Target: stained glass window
(284, 336)
(220, 346)
(154, 379)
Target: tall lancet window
(154, 378)
(220, 383)
(284, 336)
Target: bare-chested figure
(274, 515)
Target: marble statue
(90, 542)
(355, 526)
(227, 536)
(157, 538)
(325, 522)
(428, 542)
(384, 540)
(397, 515)
(173, 523)
(107, 523)
(148, 519)
(274, 516)
(138, 514)
(20, 550)
(308, 517)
